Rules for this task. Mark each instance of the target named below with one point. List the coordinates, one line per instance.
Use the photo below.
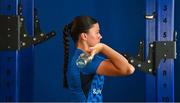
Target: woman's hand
(96, 49)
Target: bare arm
(115, 65)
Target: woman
(86, 83)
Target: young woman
(86, 83)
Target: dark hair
(80, 24)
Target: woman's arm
(115, 65)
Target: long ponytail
(66, 53)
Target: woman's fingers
(95, 49)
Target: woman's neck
(83, 46)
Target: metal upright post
(150, 37)
(26, 56)
(9, 60)
(165, 32)
(160, 27)
(16, 66)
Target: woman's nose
(100, 37)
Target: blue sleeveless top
(85, 85)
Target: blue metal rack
(150, 37)
(16, 67)
(27, 54)
(9, 61)
(160, 88)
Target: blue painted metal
(165, 32)
(16, 67)
(150, 37)
(26, 57)
(9, 61)
(161, 87)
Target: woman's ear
(83, 36)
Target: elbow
(126, 70)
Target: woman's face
(93, 35)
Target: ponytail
(66, 53)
